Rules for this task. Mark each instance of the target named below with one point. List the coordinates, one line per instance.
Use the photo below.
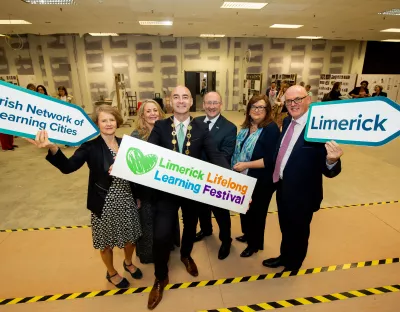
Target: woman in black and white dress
(115, 217)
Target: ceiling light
(57, 2)
(103, 34)
(285, 26)
(1, 35)
(309, 37)
(13, 22)
(391, 30)
(211, 36)
(243, 5)
(391, 40)
(391, 12)
(156, 23)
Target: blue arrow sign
(24, 112)
(371, 121)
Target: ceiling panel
(342, 18)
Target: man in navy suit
(298, 171)
(183, 134)
(223, 133)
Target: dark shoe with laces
(273, 262)
(248, 252)
(242, 239)
(156, 293)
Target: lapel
(284, 128)
(191, 123)
(298, 145)
(105, 156)
(217, 125)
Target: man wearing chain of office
(183, 134)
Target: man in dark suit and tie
(298, 172)
(183, 134)
(223, 133)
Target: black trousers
(253, 222)
(295, 223)
(166, 210)
(223, 218)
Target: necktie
(208, 124)
(181, 137)
(282, 151)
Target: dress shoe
(248, 252)
(156, 293)
(191, 267)
(273, 262)
(201, 235)
(224, 251)
(242, 239)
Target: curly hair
(144, 132)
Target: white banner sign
(371, 121)
(24, 112)
(181, 175)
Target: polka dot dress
(120, 222)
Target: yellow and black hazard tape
(224, 281)
(288, 303)
(232, 215)
(47, 228)
(344, 206)
(363, 205)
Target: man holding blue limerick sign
(183, 134)
(299, 167)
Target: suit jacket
(302, 176)
(265, 149)
(224, 135)
(99, 159)
(201, 140)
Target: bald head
(182, 100)
(181, 90)
(298, 91)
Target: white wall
(86, 66)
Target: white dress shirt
(185, 125)
(213, 121)
(298, 129)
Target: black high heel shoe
(122, 284)
(136, 275)
(248, 252)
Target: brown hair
(109, 110)
(144, 132)
(336, 86)
(268, 112)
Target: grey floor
(35, 194)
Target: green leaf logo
(140, 163)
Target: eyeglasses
(258, 108)
(295, 101)
(212, 103)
